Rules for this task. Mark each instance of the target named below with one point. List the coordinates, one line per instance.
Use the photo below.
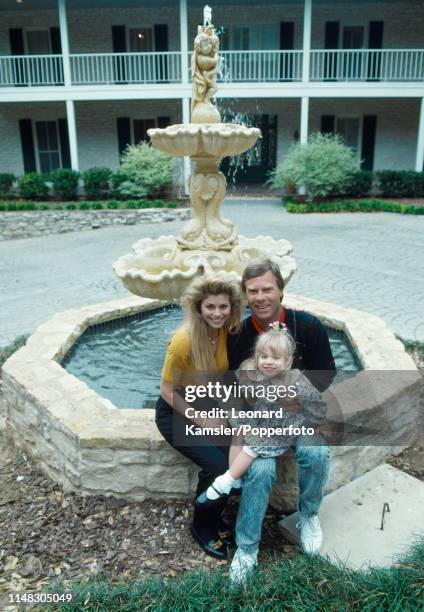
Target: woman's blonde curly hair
(194, 323)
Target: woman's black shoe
(211, 543)
(203, 501)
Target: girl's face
(268, 364)
(216, 310)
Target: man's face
(264, 297)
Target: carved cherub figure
(204, 65)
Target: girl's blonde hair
(194, 323)
(279, 343)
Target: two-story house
(80, 79)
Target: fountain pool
(121, 359)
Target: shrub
(113, 204)
(65, 183)
(401, 183)
(6, 183)
(144, 171)
(71, 207)
(32, 186)
(97, 182)
(360, 183)
(323, 166)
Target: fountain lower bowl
(161, 269)
(214, 140)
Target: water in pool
(122, 359)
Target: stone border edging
(30, 224)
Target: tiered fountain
(163, 268)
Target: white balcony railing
(260, 66)
(123, 68)
(31, 70)
(236, 67)
(367, 65)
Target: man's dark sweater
(313, 353)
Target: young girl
(262, 376)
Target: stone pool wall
(85, 443)
(30, 224)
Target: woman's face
(215, 310)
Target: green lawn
(297, 583)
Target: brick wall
(90, 30)
(397, 126)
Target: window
(249, 37)
(140, 129)
(141, 40)
(38, 42)
(348, 128)
(353, 37)
(47, 146)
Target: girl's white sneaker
(310, 534)
(242, 566)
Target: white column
(184, 41)
(186, 119)
(72, 131)
(419, 159)
(64, 41)
(304, 117)
(307, 23)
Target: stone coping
(91, 420)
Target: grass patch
(366, 206)
(413, 346)
(22, 205)
(295, 583)
(8, 350)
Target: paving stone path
(373, 262)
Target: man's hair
(259, 267)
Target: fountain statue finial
(207, 16)
(204, 66)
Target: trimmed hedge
(6, 183)
(355, 206)
(16, 206)
(400, 183)
(65, 183)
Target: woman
(212, 306)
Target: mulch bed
(47, 534)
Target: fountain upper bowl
(214, 140)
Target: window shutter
(27, 144)
(124, 133)
(332, 31)
(163, 122)
(119, 45)
(369, 128)
(375, 41)
(327, 124)
(161, 37)
(55, 42)
(16, 40)
(64, 143)
(287, 43)
(161, 45)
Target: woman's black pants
(213, 460)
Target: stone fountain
(164, 267)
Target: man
(263, 286)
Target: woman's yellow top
(179, 367)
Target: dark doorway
(255, 165)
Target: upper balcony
(270, 66)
